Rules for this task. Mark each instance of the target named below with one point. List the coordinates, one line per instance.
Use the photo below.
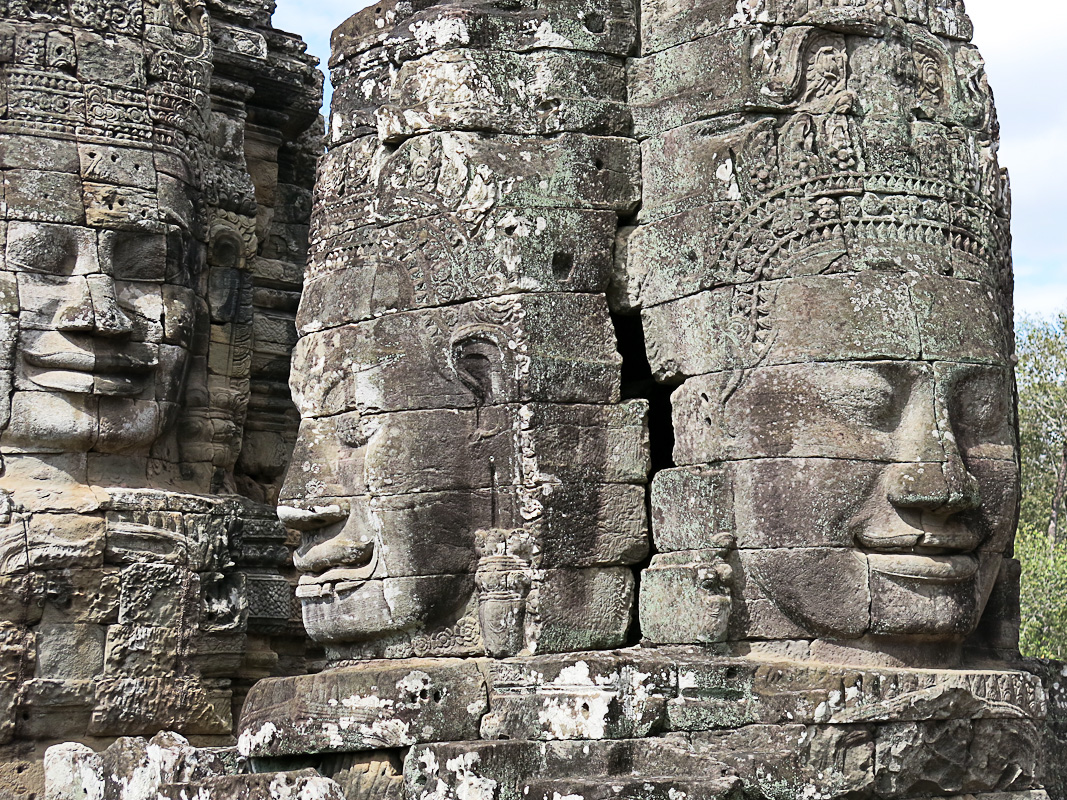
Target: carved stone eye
(47, 249)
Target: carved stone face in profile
(392, 501)
(839, 321)
(477, 467)
(462, 443)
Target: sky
(1020, 41)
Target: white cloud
(1021, 42)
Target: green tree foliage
(1041, 545)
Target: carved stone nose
(304, 519)
(944, 488)
(108, 318)
(76, 315)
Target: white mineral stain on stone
(582, 711)
(440, 33)
(726, 176)
(822, 713)
(372, 720)
(414, 682)
(748, 11)
(470, 785)
(687, 680)
(248, 741)
(545, 36)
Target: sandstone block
(555, 359)
(583, 609)
(795, 577)
(55, 541)
(140, 651)
(54, 709)
(366, 707)
(587, 697)
(39, 152)
(685, 598)
(492, 90)
(820, 410)
(691, 506)
(472, 173)
(158, 595)
(40, 195)
(864, 316)
(691, 168)
(17, 650)
(418, 29)
(303, 785)
(73, 772)
(515, 250)
(695, 80)
(70, 652)
(897, 602)
(956, 756)
(139, 706)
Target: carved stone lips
(335, 580)
(101, 363)
(931, 569)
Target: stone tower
(158, 160)
(748, 262)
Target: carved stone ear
(479, 364)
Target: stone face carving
(822, 267)
(466, 477)
(801, 201)
(157, 181)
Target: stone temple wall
(657, 427)
(158, 159)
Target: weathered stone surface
(132, 768)
(513, 250)
(366, 707)
(422, 27)
(147, 151)
(686, 597)
(419, 359)
(493, 90)
(561, 698)
(802, 200)
(303, 785)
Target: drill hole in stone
(562, 266)
(594, 23)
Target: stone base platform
(642, 724)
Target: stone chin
(365, 611)
(930, 596)
(878, 595)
